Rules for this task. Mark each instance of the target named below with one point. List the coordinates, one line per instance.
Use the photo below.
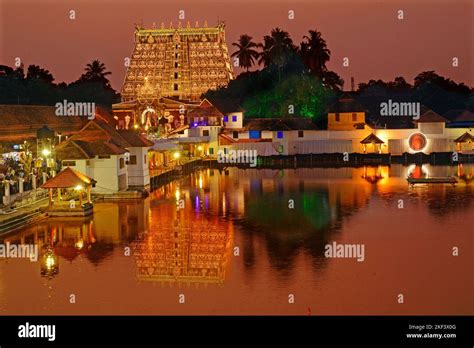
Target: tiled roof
(205, 109)
(97, 130)
(372, 138)
(466, 137)
(22, 121)
(279, 124)
(100, 148)
(134, 139)
(71, 150)
(80, 149)
(459, 115)
(346, 103)
(36, 116)
(224, 139)
(103, 115)
(68, 178)
(428, 115)
(99, 138)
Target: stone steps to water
(18, 221)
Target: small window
(226, 118)
(69, 163)
(176, 46)
(234, 118)
(175, 86)
(235, 134)
(175, 64)
(144, 159)
(255, 134)
(176, 55)
(181, 132)
(226, 151)
(211, 151)
(280, 135)
(205, 133)
(133, 160)
(175, 75)
(122, 163)
(338, 118)
(104, 156)
(300, 134)
(354, 117)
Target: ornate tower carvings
(182, 63)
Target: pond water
(254, 241)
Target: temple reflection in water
(186, 231)
(285, 211)
(187, 251)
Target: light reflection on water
(240, 241)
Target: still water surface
(243, 241)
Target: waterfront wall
(439, 139)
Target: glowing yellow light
(46, 152)
(80, 244)
(177, 194)
(200, 148)
(50, 261)
(176, 155)
(78, 188)
(135, 126)
(200, 182)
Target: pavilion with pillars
(73, 193)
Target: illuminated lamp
(417, 142)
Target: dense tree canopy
(38, 87)
(292, 77)
(296, 95)
(298, 76)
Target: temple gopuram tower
(180, 63)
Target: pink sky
(377, 44)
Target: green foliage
(38, 87)
(304, 93)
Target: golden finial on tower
(188, 25)
(162, 25)
(171, 25)
(179, 25)
(205, 24)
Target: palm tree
(96, 71)
(246, 53)
(332, 80)
(315, 53)
(35, 72)
(276, 48)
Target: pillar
(20, 185)
(7, 188)
(59, 195)
(33, 181)
(80, 198)
(89, 194)
(50, 197)
(45, 177)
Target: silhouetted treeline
(295, 78)
(37, 87)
